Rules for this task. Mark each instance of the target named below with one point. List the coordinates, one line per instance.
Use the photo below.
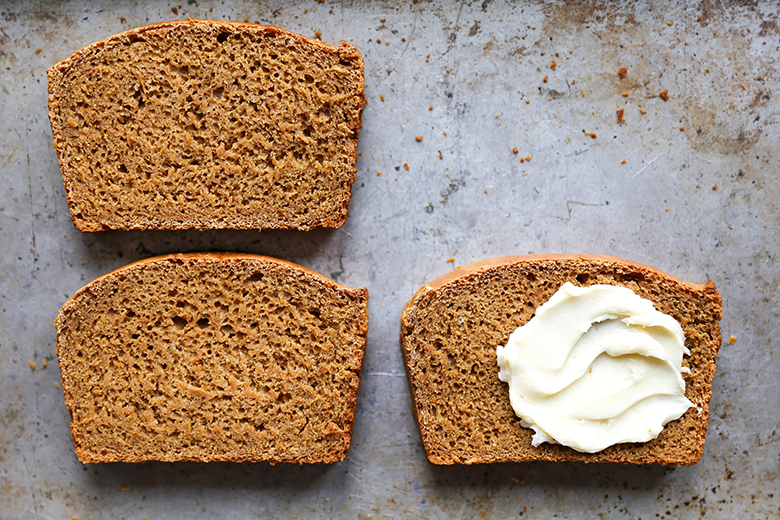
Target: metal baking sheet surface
(688, 185)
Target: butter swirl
(596, 366)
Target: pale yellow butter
(595, 366)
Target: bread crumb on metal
(664, 95)
(625, 94)
(38, 50)
(378, 174)
(670, 23)
(440, 155)
(592, 134)
(731, 340)
(620, 116)
(418, 138)
(544, 79)
(382, 98)
(624, 161)
(451, 259)
(406, 166)
(553, 64)
(32, 364)
(527, 157)
(622, 72)
(43, 363)
(714, 187)
(515, 149)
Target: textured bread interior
(451, 328)
(212, 358)
(202, 124)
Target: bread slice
(202, 124)
(208, 357)
(451, 327)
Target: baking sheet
(688, 185)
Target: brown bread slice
(451, 327)
(209, 357)
(207, 124)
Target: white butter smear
(595, 366)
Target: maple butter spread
(595, 366)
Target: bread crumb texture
(452, 326)
(207, 124)
(210, 357)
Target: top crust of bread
(202, 124)
(452, 325)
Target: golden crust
(452, 325)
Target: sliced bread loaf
(452, 326)
(207, 124)
(208, 357)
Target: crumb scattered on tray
(406, 166)
(515, 149)
(731, 340)
(32, 364)
(592, 134)
(622, 72)
(418, 138)
(620, 116)
(664, 95)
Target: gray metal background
(487, 59)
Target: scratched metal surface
(696, 196)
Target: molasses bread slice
(212, 357)
(201, 124)
(452, 326)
